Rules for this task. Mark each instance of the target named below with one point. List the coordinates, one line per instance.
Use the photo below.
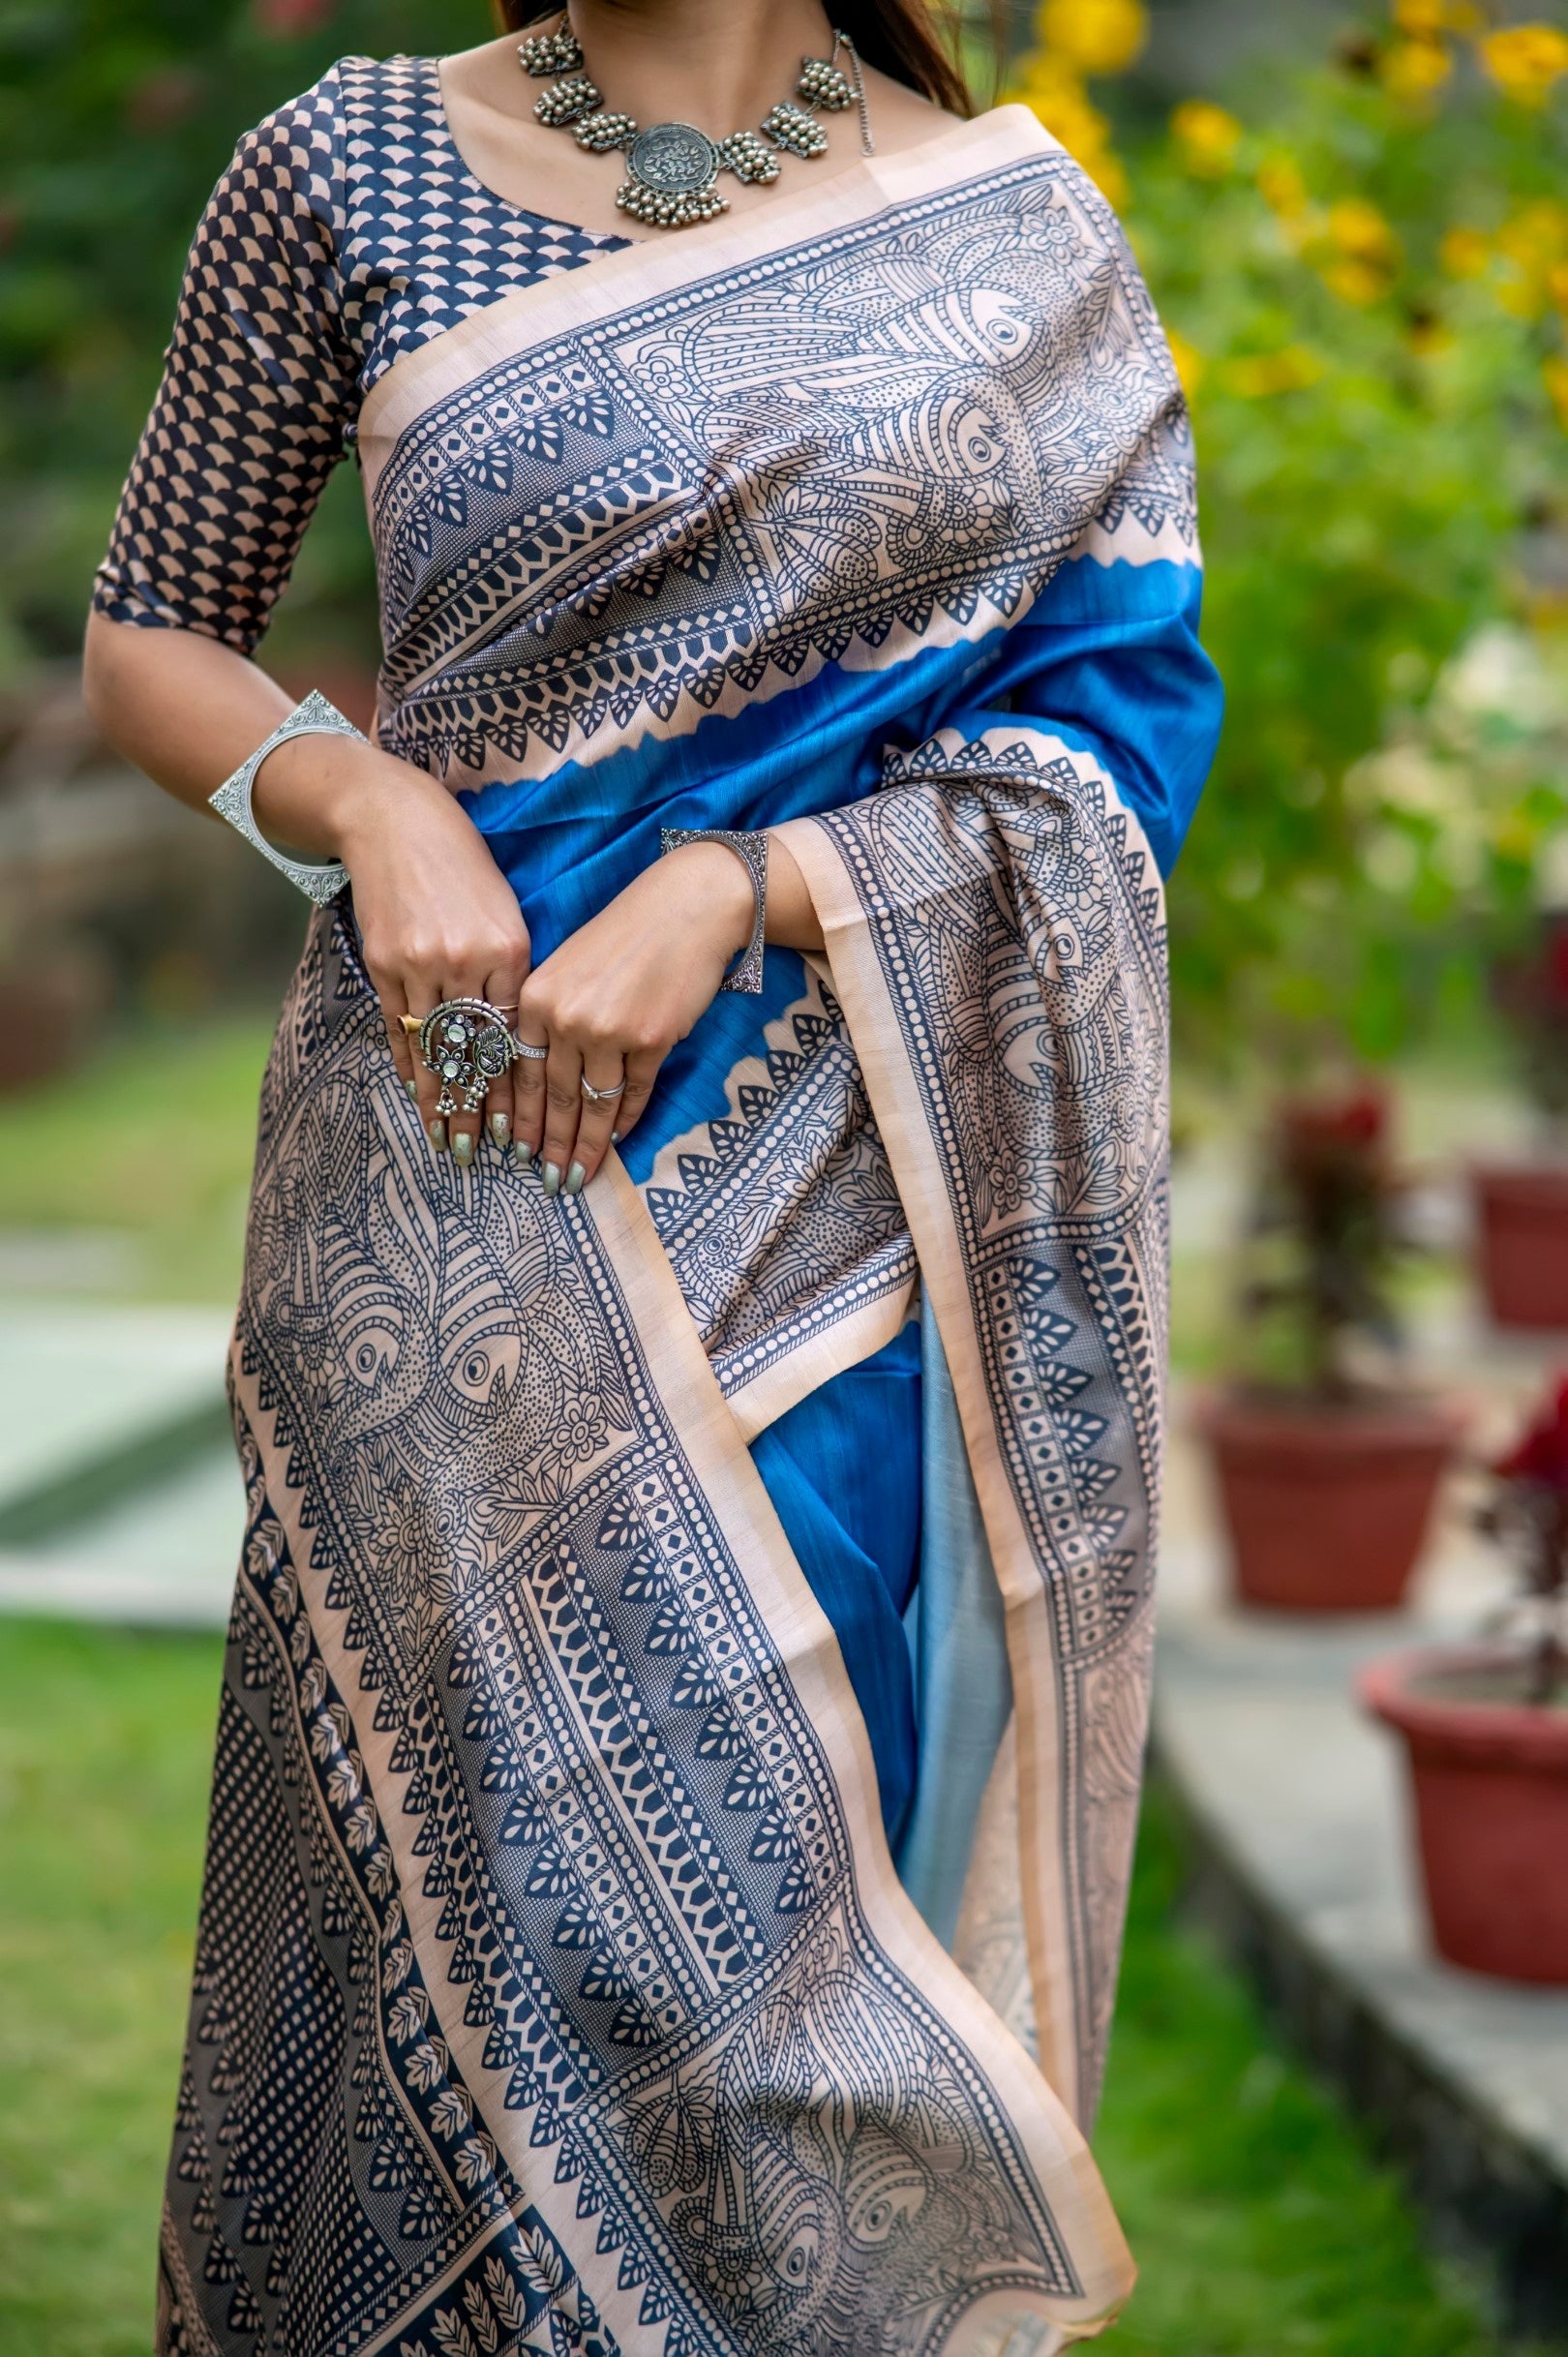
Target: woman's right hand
(436, 917)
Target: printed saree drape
(556, 1988)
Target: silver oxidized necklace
(672, 167)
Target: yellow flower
(1281, 187)
(1533, 242)
(1191, 365)
(1059, 98)
(1208, 137)
(1413, 70)
(1359, 230)
(1555, 369)
(1355, 281)
(1426, 19)
(1524, 60)
(1558, 286)
(1287, 370)
(1096, 36)
(1465, 252)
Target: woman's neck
(716, 63)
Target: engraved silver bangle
(319, 881)
(751, 849)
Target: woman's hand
(437, 918)
(614, 999)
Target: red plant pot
(1522, 1217)
(1327, 1509)
(1490, 1781)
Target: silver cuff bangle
(751, 850)
(319, 881)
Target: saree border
(642, 270)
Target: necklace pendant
(545, 53)
(671, 168)
(598, 133)
(567, 102)
(822, 85)
(749, 158)
(790, 126)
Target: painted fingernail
(574, 1179)
(412, 1087)
(551, 1179)
(436, 1131)
(463, 1148)
(523, 1153)
(615, 1137)
(500, 1129)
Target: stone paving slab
(163, 1556)
(97, 1398)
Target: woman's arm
(436, 917)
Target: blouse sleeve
(258, 390)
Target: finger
(528, 1077)
(424, 992)
(596, 1121)
(642, 1070)
(501, 989)
(563, 1104)
(464, 1127)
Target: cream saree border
(647, 269)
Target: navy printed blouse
(346, 230)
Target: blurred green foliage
(1367, 297)
(1364, 268)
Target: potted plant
(1485, 1729)
(1327, 1465)
(1522, 1207)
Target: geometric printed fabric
(346, 230)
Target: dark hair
(914, 41)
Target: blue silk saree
(686, 1694)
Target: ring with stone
(603, 1095)
(466, 1043)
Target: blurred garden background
(1355, 224)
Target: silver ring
(525, 1047)
(604, 1096)
(466, 1043)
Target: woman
(704, 1447)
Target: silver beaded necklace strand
(672, 167)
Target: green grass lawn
(150, 1141)
(1262, 2228)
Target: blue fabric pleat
(959, 1640)
(843, 1470)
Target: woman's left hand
(613, 1000)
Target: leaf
(540, 2261)
(453, 2336)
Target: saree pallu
(556, 1988)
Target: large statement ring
(604, 1096)
(466, 1043)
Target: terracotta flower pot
(1489, 1779)
(1522, 1219)
(1327, 1508)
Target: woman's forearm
(792, 920)
(188, 710)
